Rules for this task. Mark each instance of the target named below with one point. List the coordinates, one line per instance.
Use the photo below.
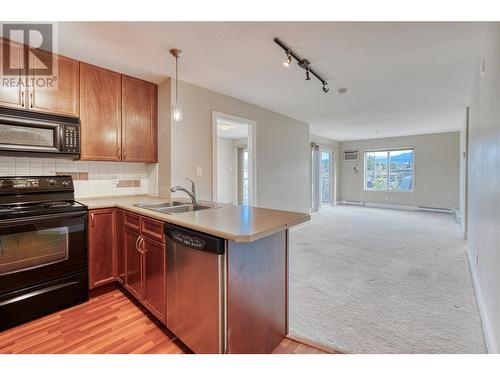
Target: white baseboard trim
(488, 333)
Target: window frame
(388, 150)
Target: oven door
(41, 248)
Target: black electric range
(43, 248)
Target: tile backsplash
(91, 178)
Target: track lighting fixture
(308, 77)
(303, 63)
(288, 60)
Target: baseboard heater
(353, 203)
(399, 207)
(436, 209)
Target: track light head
(308, 77)
(288, 60)
(325, 89)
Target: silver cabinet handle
(31, 99)
(137, 244)
(22, 99)
(141, 244)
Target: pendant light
(177, 114)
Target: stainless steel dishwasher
(196, 289)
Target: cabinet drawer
(133, 221)
(152, 228)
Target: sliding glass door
(326, 177)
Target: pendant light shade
(176, 109)
(177, 114)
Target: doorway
(233, 153)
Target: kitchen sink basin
(173, 207)
(183, 208)
(156, 205)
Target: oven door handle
(36, 219)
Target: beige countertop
(236, 223)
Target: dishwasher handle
(194, 239)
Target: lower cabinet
(133, 263)
(145, 267)
(101, 242)
(154, 270)
(119, 246)
(130, 249)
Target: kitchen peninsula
(233, 300)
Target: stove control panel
(22, 184)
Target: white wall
(226, 170)
(282, 148)
(436, 171)
(484, 186)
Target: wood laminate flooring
(108, 323)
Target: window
(390, 170)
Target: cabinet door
(139, 123)
(100, 113)
(64, 98)
(119, 247)
(12, 95)
(133, 263)
(101, 243)
(154, 277)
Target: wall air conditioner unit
(351, 155)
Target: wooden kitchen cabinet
(154, 276)
(101, 241)
(133, 263)
(64, 100)
(119, 246)
(100, 113)
(145, 262)
(10, 95)
(139, 120)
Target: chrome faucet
(192, 193)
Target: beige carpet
(371, 280)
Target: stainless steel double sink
(174, 207)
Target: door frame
(252, 149)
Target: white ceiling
(402, 78)
(231, 129)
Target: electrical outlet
(199, 171)
(386, 197)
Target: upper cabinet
(61, 99)
(118, 113)
(64, 99)
(13, 97)
(100, 113)
(139, 127)
(118, 116)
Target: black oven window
(21, 250)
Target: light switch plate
(199, 171)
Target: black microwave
(25, 133)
